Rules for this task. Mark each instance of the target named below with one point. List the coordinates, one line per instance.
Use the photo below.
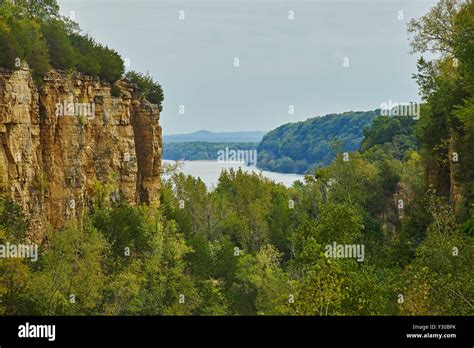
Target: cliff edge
(58, 141)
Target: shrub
(148, 88)
(116, 92)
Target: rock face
(58, 142)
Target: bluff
(301, 146)
(52, 160)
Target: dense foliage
(36, 33)
(197, 150)
(299, 147)
(393, 136)
(244, 249)
(446, 127)
(148, 87)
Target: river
(209, 171)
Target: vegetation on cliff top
(36, 33)
(147, 86)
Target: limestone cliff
(59, 140)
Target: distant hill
(210, 137)
(298, 147)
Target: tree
(147, 87)
(433, 32)
(445, 30)
(14, 272)
(60, 49)
(319, 291)
(439, 281)
(111, 64)
(8, 47)
(70, 277)
(260, 284)
(32, 46)
(41, 10)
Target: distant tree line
(196, 151)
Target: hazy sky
(283, 61)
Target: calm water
(209, 171)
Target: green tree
(32, 46)
(8, 47)
(320, 289)
(60, 49)
(70, 275)
(14, 273)
(439, 281)
(147, 87)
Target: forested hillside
(35, 33)
(299, 147)
(393, 136)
